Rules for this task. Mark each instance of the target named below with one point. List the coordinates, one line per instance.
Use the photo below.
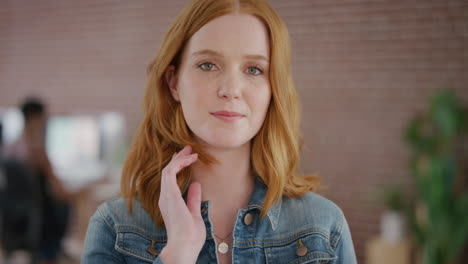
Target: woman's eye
(206, 66)
(254, 71)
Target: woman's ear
(171, 81)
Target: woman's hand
(186, 231)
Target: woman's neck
(231, 181)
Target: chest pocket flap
(135, 245)
(310, 248)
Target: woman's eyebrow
(207, 52)
(218, 54)
(257, 57)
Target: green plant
(440, 226)
(392, 197)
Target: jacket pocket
(311, 247)
(137, 246)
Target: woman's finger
(169, 185)
(175, 166)
(184, 162)
(186, 150)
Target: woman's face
(224, 67)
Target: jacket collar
(256, 202)
(257, 199)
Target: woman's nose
(230, 87)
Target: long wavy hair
(275, 150)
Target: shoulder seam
(105, 220)
(339, 229)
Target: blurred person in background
(1, 138)
(30, 150)
(2, 176)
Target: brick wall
(362, 69)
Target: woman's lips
(227, 116)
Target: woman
(211, 176)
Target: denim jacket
(308, 229)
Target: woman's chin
(224, 143)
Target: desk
(379, 251)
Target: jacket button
(248, 219)
(153, 251)
(302, 251)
